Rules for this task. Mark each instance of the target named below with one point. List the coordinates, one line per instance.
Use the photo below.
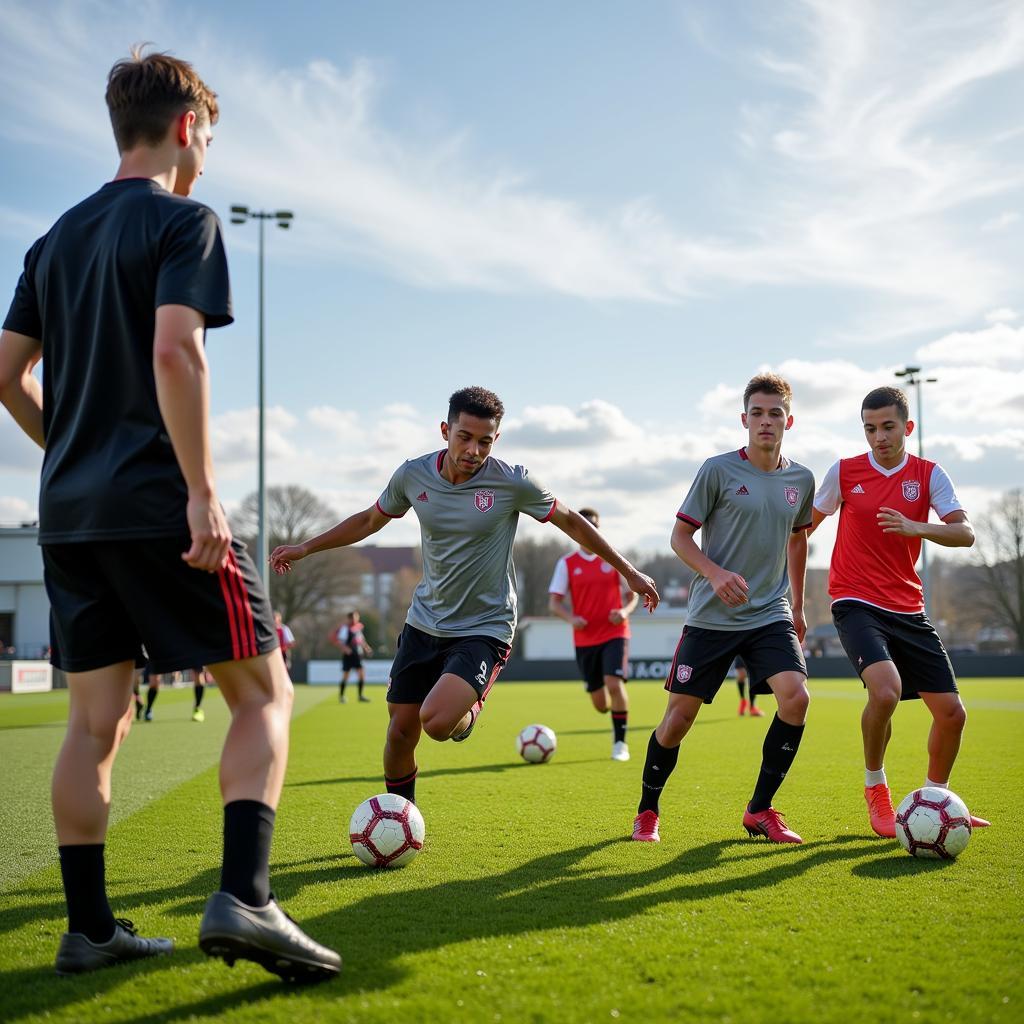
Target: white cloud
(556, 426)
(849, 178)
(16, 510)
(998, 345)
(234, 438)
(1002, 221)
(1002, 315)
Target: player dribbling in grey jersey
(459, 628)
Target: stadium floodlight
(911, 376)
(239, 215)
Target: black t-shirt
(89, 292)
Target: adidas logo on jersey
(857, 490)
(422, 497)
(743, 489)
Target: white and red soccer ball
(386, 831)
(536, 744)
(933, 822)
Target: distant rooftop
(389, 559)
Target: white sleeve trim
(829, 495)
(560, 578)
(941, 493)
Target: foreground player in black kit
(116, 299)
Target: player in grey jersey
(753, 508)
(462, 619)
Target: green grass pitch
(527, 903)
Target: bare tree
(1000, 550)
(314, 590)
(535, 562)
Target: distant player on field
(349, 637)
(601, 604)
(459, 629)
(883, 498)
(116, 299)
(753, 508)
(748, 691)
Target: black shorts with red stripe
(423, 658)
(109, 599)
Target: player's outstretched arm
(19, 390)
(348, 531)
(573, 525)
(730, 587)
(183, 393)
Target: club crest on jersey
(484, 500)
(911, 490)
(792, 493)
(605, 567)
(683, 673)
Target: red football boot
(770, 824)
(755, 712)
(645, 827)
(743, 707)
(880, 810)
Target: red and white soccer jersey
(595, 590)
(869, 565)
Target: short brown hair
(145, 92)
(768, 384)
(882, 397)
(590, 515)
(476, 401)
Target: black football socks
(198, 689)
(85, 890)
(403, 787)
(619, 719)
(781, 743)
(248, 831)
(657, 768)
(151, 692)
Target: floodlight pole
(912, 378)
(283, 218)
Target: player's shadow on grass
(552, 892)
(896, 864)
(436, 773)
(62, 724)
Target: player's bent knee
(438, 727)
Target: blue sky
(613, 214)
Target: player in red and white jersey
(601, 604)
(883, 498)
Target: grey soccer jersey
(467, 532)
(746, 517)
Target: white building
(24, 607)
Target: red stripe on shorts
(229, 605)
(247, 628)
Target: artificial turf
(528, 904)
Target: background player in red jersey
(883, 498)
(601, 604)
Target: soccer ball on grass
(386, 831)
(933, 823)
(536, 744)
